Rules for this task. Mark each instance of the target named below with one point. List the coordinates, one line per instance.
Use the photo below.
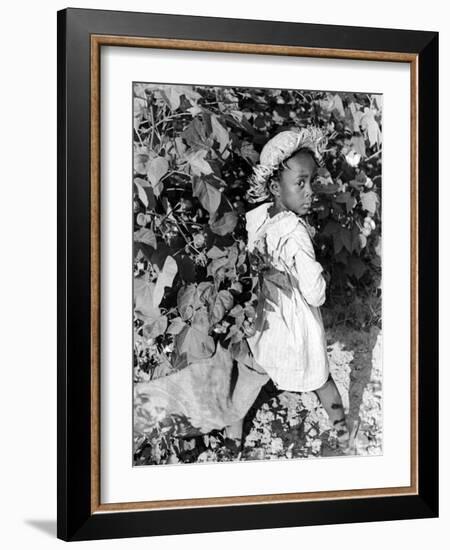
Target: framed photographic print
(247, 274)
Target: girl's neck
(276, 208)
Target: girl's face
(293, 189)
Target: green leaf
(356, 267)
(141, 194)
(155, 328)
(176, 326)
(200, 321)
(222, 303)
(139, 91)
(348, 199)
(346, 238)
(165, 278)
(378, 247)
(195, 344)
(235, 334)
(195, 135)
(216, 252)
(357, 115)
(144, 249)
(143, 300)
(187, 301)
(326, 189)
(225, 224)
(356, 244)
(219, 133)
(369, 201)
(337, 241)
(237, 287)
(180, 147)
(278, 278)
(145, 192)
(240, 351)
(146, 236)
(216, 265)
(331, 228)
(140, 162)
(208, 195)
(171, 95)
(378, 99)
(238, 313)
(156, 169)
(359, 145)
(338, 106)
(205, 291)
(248, 152)
(270, 290)
(139, 111)
(186, 267)
(369, 124)
(198, 164)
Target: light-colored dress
(291, 345)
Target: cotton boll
(353, 158)
(369, 183)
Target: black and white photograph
(225, 220)
(256, 273)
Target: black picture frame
(77, 517)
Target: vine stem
(171, 174)
(228, 201)
(171, 117)
(152, 116)
(140, 139)
(170, 211)
(301, 95)
(186, 238)
(373, 155)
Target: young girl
(290, 343)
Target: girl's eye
(301, 183)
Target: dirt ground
(295, 425)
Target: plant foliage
(194, 148)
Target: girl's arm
(311, 281)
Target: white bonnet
(278, 149)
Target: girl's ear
(274, 188)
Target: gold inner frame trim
(97, 41)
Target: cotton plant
(194, 150)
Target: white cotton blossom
(353, 158)
(368, 183)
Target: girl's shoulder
(288, 226)
(295, 238)
(277, 231)
(286, 236)
(255, 220)
(256, 217)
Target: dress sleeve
(299, 253)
